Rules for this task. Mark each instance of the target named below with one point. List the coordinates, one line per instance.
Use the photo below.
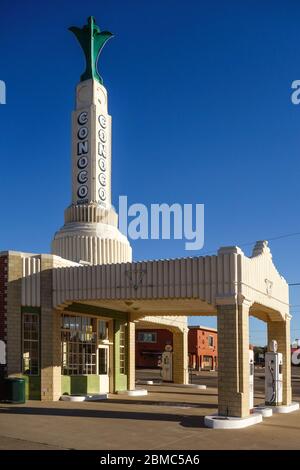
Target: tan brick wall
(14, 317)
(280, 330)
(180, 356)
(50, 336)
(233, 369)
(131, 355)
(3, 307)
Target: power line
(293, 234)
(279, 237)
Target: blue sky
(200, 98)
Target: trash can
(14, 390)
(3, 392)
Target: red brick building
(202, 347)
(149, 346)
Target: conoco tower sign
(90, 233)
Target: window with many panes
(31, 344)
(102, 330)
(147, 337)
(78, 345)
(123, 331)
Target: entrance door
(103, 368)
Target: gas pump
(167, 364)
(2, 353)
(273, 376)
(251, 379)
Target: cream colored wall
(30, 276)
(261, 283)
(90, 233)
(173, 323)
(91, 97)
(206, 279)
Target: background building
(202, 347)
(149, 346)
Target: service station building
(68, 318)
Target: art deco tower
(90, 232)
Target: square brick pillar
(50, 336)
(233, 360)
(280, 330)
(180, 357)
(131, 355)
(3, 308)
(14, 315)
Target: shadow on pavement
(198, 394)
(192, 422)
(172, 404)
(186, 421)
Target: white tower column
(90, 233)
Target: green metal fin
(92, 41)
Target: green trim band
(31, 309)
(97, 311)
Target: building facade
(67, 319)
(149, 346)
(74, 348)
(203, 348)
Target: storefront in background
(202, 347)
(149, 346)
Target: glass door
(103, 367)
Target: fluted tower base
(91, 235)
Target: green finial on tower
(92, 41)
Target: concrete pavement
(168, 418)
